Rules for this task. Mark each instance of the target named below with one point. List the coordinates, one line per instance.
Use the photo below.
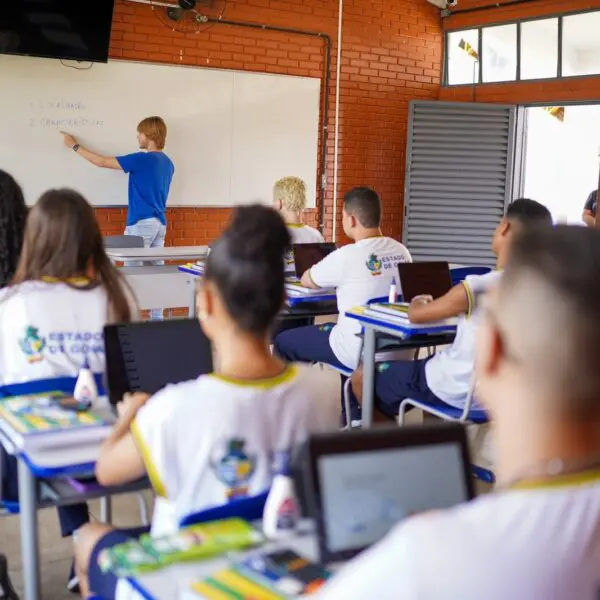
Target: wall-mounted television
(65, 29)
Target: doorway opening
(562, 158)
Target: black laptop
(431, 278)
(147, 356)
(308, 255)
(358, 485)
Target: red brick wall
(391, 54)
(564, 90)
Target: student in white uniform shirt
(536, 537)
(52, 314)
(289, 198)
(445, 379)
(211, 440)
(360, 272)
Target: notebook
(358, 485)
(308, 255)
(148, 356)
(28, 421)
(431, 278)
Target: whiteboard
(231, 134)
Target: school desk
(175, 581)
(408, 336)
(41, 486)
(164, 253)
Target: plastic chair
(459, 274)
(123, 241)
(249, 509)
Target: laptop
(147, 356)
(358, 485)
(308, 255)
(432, 278)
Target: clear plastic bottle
(86, 391)
(281, 514)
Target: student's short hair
(557, 269)
(291, 192)
(528, 212)
(155, 129)
(247, 265)
(364, 203)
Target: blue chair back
(249, 509)
(41, 386)
(461, 273)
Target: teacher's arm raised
(105, 162)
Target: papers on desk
(397, 314)
(38, 422)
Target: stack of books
(294, 288)
(398, 315)
(39, 422)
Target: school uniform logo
(33, 345)
(375, 265)
(233, 467)
(288, 258)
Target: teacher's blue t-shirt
(150, 176)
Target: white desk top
(168, 253)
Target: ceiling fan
(188, 16)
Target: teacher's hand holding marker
(150, 174)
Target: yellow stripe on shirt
(287, 375)
(560, 481)
(159, 487)
(470, 298)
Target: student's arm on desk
(120, 460)
(452, 304)
(327, 273)
(104, 162)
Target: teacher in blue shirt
(150, 175)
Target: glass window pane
(581, 44)
(539, 49)
(463, 64)
(499, 53)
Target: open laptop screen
(431, 278)
(308, 255)
(148, 356)
(364, 487)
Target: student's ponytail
(246, 264)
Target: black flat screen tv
(65, 29)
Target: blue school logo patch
(374, 265)
(33, 345)
(382, 367)
(233, 467)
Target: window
(463, 57)
(581, 44)
(539, 49)
(499, 53)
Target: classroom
(280, 283)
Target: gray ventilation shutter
(459, 171)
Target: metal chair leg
(347, 385)
(106, 510)
(143, 509)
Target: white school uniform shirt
(360, 272)
(300, 234)
(208, 441)
(530, 544)
(449, 373)
(49, 329)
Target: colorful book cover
(40, 414)
(192, 543)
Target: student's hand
(131, 404)
(421, 299)
(69, 140)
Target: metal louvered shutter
(459, 171)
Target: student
(53, 313)
(13, 214)
(360, 272)
(289, 198)
(230, 422)
(150, 175)
(537, 536)
(589, 210)
(446, 378)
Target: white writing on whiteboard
(66, 122)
